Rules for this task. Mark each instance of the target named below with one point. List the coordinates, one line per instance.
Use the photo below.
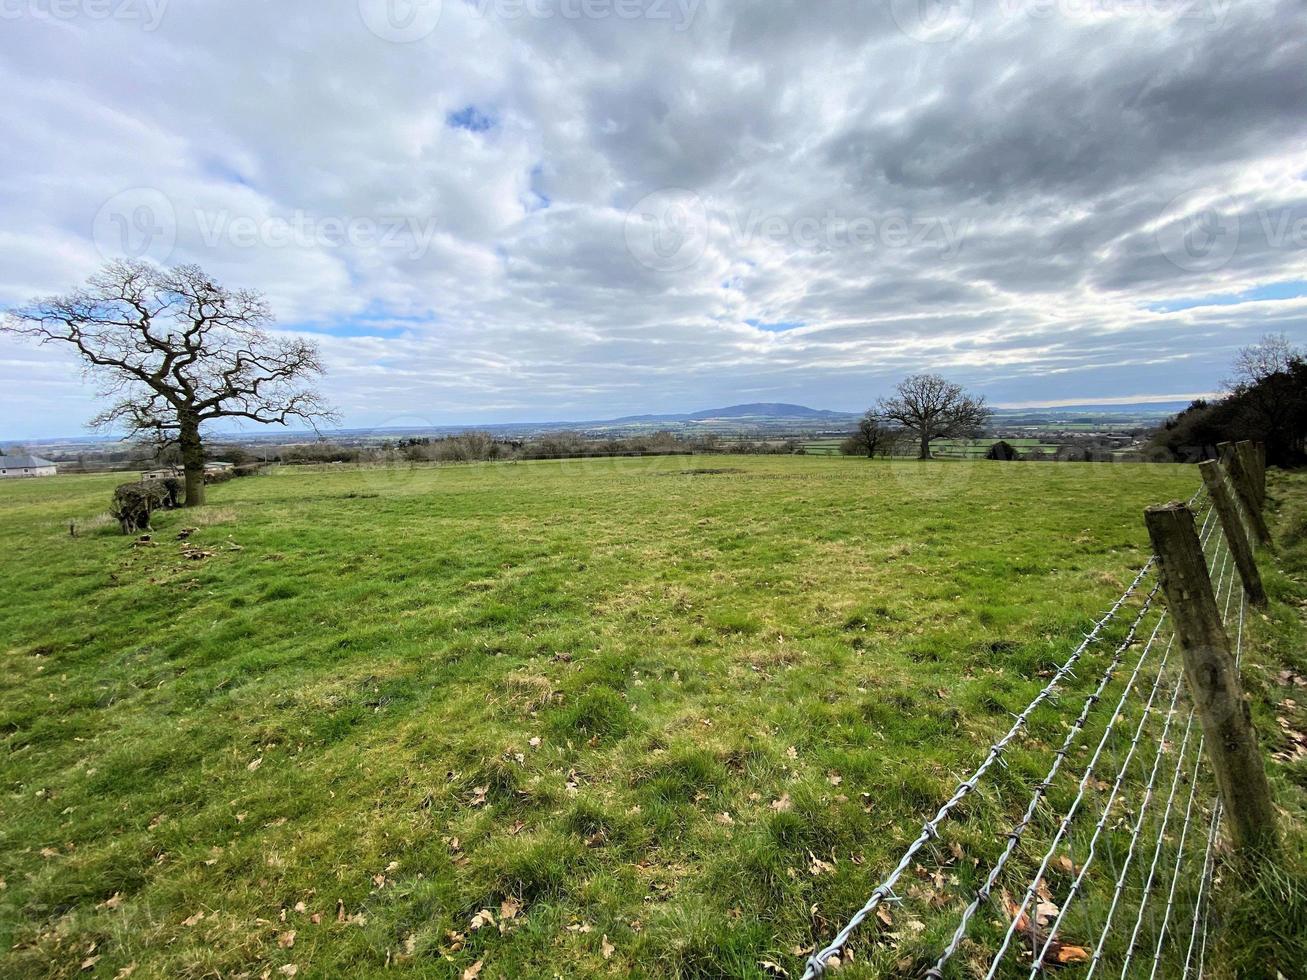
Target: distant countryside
(591, 489)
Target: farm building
(11, 466)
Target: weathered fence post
(1248, 457)
(1228, 514)
(1260, 449)
(1242, 478)
(1213, 679)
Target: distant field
(623, 707)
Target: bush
(134, 502)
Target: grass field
(655, 722)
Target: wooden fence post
(1260, 448)
(1228, 514)
(1248, 457)
(1213, 679)
(1243, 485)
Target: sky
(518, 210)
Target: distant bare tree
(872, 437)
(1266, 392)
(930, 407)
(1273, 354)
(178, 351)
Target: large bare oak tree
(177, 351)
(931, 407)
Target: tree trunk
(925, 446)
(192, 460)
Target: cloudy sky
(566, 209)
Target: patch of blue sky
(775, 326)
(1289, 289)
(471, 118)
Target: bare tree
(177, 351)
(1273, 354)
(872, 438)
(932, 408)
(1266, 393)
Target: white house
(25, 466)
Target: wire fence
(1111, 819)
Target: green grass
(636, 702)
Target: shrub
(1002, 450)
(134, 502)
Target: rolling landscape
(653, 489)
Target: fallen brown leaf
(1064, 864)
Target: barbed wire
(816, 965)
(1086, 779)
(1090, 767)
(1217, 554)
(1014, 836)
(1100, 826)
(1179, 857)
(1135, 834)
